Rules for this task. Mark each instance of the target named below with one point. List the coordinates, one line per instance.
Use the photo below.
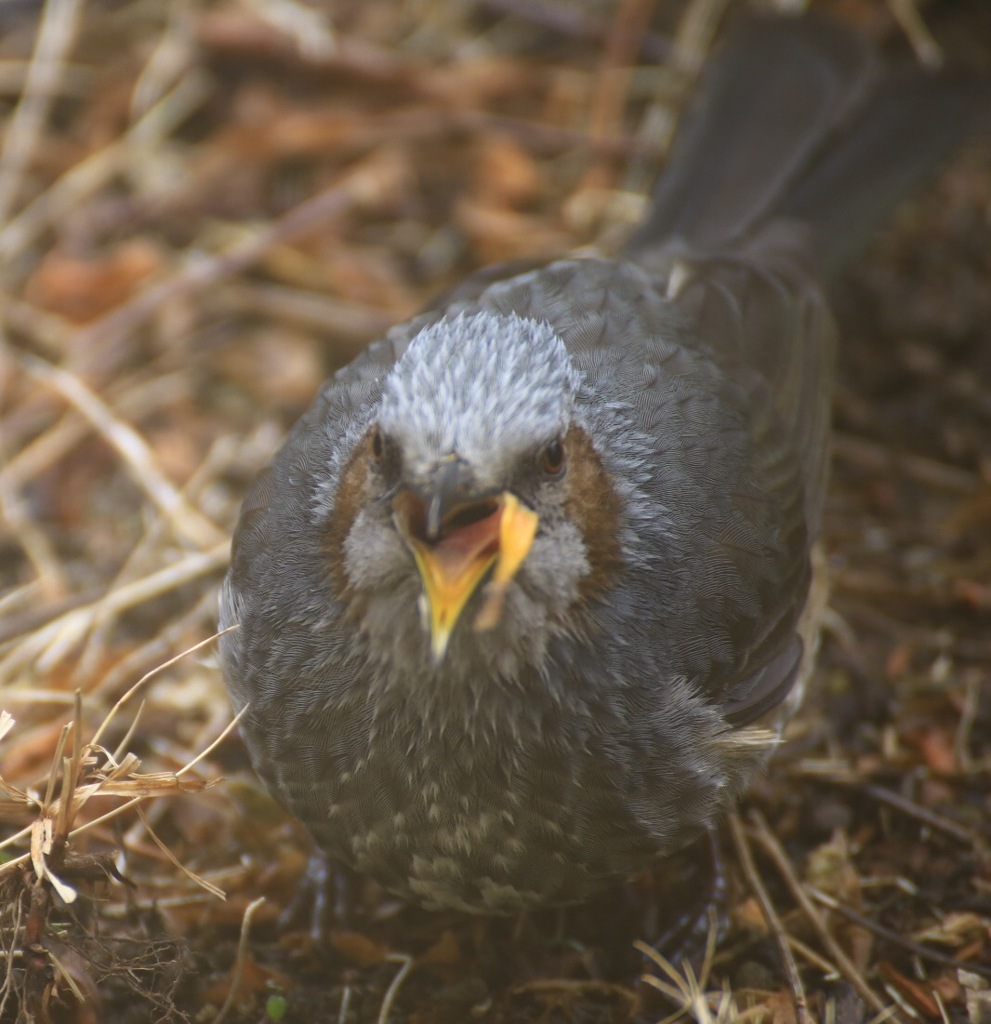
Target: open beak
(456, 553)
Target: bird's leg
(687, 935)
(327, 894)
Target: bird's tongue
(464, 546)
(504, 536)
(453, 566)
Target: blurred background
(207, 207)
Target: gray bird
(525, 596)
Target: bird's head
(473, 480)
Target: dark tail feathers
(797, 118)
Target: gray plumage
(623, 698)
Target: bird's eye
(378, 445)
(552, 458)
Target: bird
(524, 600)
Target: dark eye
(378, 445)
(552, 458)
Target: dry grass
(204, 209)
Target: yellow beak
(453, 566)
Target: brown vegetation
(205, 208)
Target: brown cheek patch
(593, 505)
(351, 495)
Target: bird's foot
(696, 903)
(678, 961)
(326, 896)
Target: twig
(172, 56)
(342, 1013)
(614, 75)
(88, 175)
(593, 986)
(847, 967)
(158, 647)
(126, 399)
(908, 17)
(774, 924)
(52, 642)
(892, 937)
(7, 987)
(369, 183)
(147, 554)
(187, 522)
(899, 1000)
(115, 812)
(696, 30)
(59, 23)
(968, 716)
(75, 80)
(199, 880)
(312, 310)
(943, 1014)
(923, 814)
(242, 956)
(872, 456)
(227, 730)
(406, 964)
(576, 23)
(147, 677)
(34, 542)
(686, 990)
(816, 959)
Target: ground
(204, 209)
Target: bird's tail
(798, 119)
